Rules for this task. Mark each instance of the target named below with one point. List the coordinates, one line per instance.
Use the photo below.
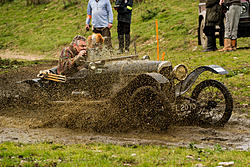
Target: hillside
(82, 131)
(45, 29)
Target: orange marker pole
(157, 39)
(163, 56)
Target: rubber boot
(227, 46)
(127, 42)
(234, 44)
(121, 43)
(210, 44)
(214, 43)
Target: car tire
(215, 101)
(149, 109)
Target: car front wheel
(215, 103)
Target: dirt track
(94, 122)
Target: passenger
(95, 47)
(73, 56)
(213, 17)
(231, 25)
(100, 11)
(95, 41)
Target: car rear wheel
(149, 109)
(215, 101)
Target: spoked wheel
(149, 109)
(215, 101)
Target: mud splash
(88, 121)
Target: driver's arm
(66, 62)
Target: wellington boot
(121, 43)
(211, 44)
(233, 44)
(127, 42)
(227, 46)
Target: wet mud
(85, 121)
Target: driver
(72, 57)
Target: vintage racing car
(153, 91)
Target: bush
(36, 2)
(68, 3)
(4, 1)
(150, 14)
(135, 1)
(7, 63)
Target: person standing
(124, 9)
(231, 25)
(213, 17)
(100, 11)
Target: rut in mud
(86, 121)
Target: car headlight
(180, 72)
(243, 9)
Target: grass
(46, 29)
(47, 154)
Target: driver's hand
(221, 1)
(83, 53)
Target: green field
(45, 154)
(45, 29)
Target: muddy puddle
(88, 121)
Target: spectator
(213, 17)
(70, 58)
(231, 25)
(124, 9)
(102, 19)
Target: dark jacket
(213, 12)
(232, 2)
(124, 9)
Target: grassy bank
(46, 29)
(14, 154)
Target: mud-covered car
(152, 91)
(243, 28)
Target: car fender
(186, 84)
(156, 76)
(147, 79)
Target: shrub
(36, 2)
(4, 1)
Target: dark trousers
(105, 32)
(123, 30)
(211, 39)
